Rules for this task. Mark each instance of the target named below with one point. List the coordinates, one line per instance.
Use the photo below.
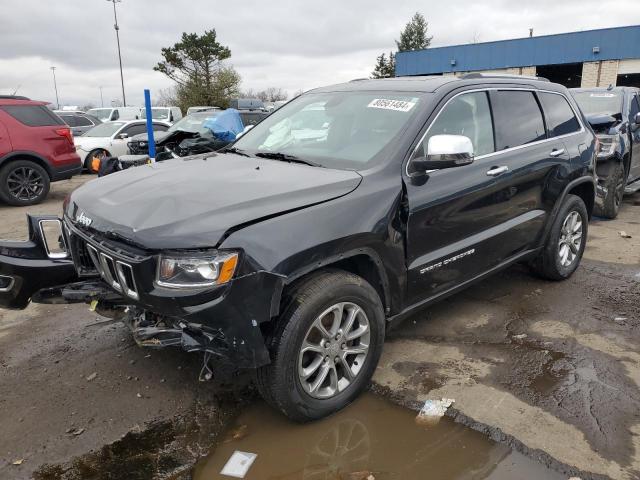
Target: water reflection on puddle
(371, 437)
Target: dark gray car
(79, 122)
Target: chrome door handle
(557, 152)
(495, 171)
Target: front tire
(615, 184)
(23, 182)
(565, 245)
(94, 157)
(325, 346)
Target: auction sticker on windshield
(398, 105)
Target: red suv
(36, 148)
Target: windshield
(104, 129)
(157, 113)
(101, 113)
(337, 129)
(599, 103)
(193, 123)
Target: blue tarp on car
(226, 125)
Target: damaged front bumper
(224, 320)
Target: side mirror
(445, 151)
(636, 119)
(122, 136)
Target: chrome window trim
(46, 244)
(506, 150)
(8, 288)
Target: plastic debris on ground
(238, 464)
(433, 410)
(624, 234)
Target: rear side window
(82, 121)
(560, 117)
(70, 120)
(517, 118)
(33, 115)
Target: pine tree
(385, 67)
(415, 34)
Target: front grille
(91, 260)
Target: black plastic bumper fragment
(25, 268)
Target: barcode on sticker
(397, 105)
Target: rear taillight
(66, 133)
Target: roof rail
(470, 76)
(13, 97)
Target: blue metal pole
(147, 107)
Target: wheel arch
(363, 262)
(26, 155)
(583, 187)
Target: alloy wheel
(334, 350)
(25, 183)
(570, 238)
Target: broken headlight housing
(608, 145)
(196, 270)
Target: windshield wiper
(235, 150)
(285, 157)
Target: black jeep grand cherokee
(344, 211)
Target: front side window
(560, 117)
(635, 108)
(517, 118)
(468, 115)
(104, 129)
(135, 129)
(348, 129)
(70, 120)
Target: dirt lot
(551, 369)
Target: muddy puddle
(372, 439)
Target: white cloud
(286, 43)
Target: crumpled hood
(143, 137)
(192, 202)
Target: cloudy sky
(281, 43)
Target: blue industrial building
(589, 58)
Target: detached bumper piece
(40, 262)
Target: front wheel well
(586, 191)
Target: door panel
(454, 224)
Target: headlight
(196, 270)
(608, 145)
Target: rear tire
(349, 353)
(23, 182)
(614, 184)
(565, 245)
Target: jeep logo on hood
(83, 219)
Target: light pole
(101, 99)
(117, 29)
(55, 86)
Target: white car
(110, 139)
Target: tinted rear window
(33, 115)
(517, 118)
(560, 117)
